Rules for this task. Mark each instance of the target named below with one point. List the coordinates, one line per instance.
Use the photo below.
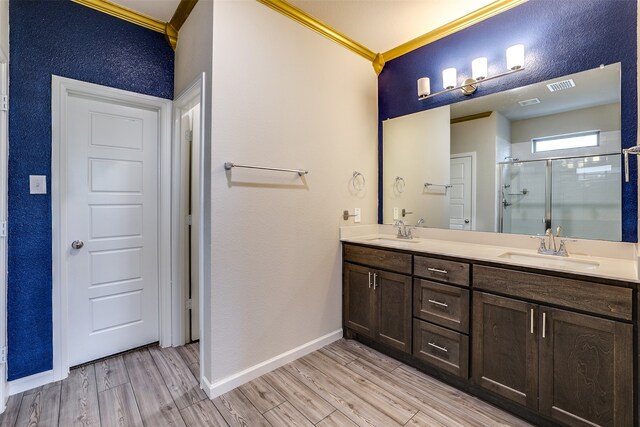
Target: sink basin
(551, 261)
(392, 239)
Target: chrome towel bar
(229, 166)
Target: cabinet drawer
(441, 347)
(442, 270)
(441, 304)
(378, 258)
(594, 298)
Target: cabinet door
(586, 369)
(393, 293)
(505, 348)
(359, 299)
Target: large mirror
(520, 161)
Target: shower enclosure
(581, 194)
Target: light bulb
(449, 78)
(515, 57)
(479, 68)
(424, 87)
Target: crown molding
(124, 13)
(182, 13)
(309, 21)
(479, 15)
(471, 117)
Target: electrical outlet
(357, 217)
(396, 214)
(37, 184)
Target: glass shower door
(585, 198)
(522, 197)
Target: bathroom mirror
(520, 161)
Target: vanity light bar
(515, 63)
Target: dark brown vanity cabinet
(574, 368)
(560, 346)
(377, 303)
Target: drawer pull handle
(438, 347)
(437, 270)
(374, 281)
(544, 324)
(441, 304)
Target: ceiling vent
(527, 102)
(561, 85)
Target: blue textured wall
(560, 37)
(63, 38)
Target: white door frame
(4, 136)
(474, 179)
(61, 89)
(190, 97)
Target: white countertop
(622, 268)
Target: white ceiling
(379, 25)
(161, 10)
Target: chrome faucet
(404, 232)
(548, 249)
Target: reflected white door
(460, 209)
(112, 206)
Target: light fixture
(515, 63)
(479, 68)
(424, 86)
(449, 78)
(515, 57)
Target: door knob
(77, 244)
(466, 221)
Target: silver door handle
(437, 270)
(77, 244)
(532, 320)
(374, 281)
(369, 280)
(544, 324)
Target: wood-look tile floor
(342, 384)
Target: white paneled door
(111, 257)
(460, 209)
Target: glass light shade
(515, 57)
(424, 86)
(479, 68)
(449, 78)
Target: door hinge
(3, 355)
(189, 304)
(3, 229)
(4, 103)
(189, 219)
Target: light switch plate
(357, 217)
(37, 184)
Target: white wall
(4, 26)
(282, 96)
(481, 136)
(605, 118)
(417, 149)
(194, 55)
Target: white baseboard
(32, 381)
(224, 385)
